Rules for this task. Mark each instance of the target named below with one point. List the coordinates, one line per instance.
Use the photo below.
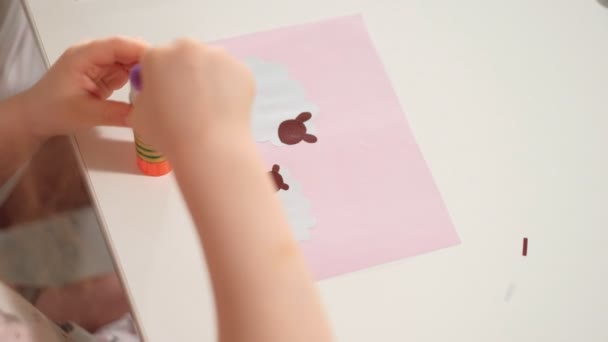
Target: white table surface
(508, 100)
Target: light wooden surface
(508, 102)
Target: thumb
(107, 112)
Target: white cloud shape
(279, 98)
(297, 207)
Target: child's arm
(71, 97)
(262, 287)
(195, 106)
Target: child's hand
(72, 96)
(190, 91)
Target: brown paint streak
(524, 252)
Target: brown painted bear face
(293, 131)
(278, 179)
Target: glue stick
(149, 161)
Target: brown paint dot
(293, 131)
(278, 179)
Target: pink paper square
(372, 194)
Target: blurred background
(52, 250)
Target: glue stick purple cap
(135, 77)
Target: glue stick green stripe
(149, 161)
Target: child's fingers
(111, 78)
(116, 77)
(108, 51)
(104, 113)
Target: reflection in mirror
(56, 275)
